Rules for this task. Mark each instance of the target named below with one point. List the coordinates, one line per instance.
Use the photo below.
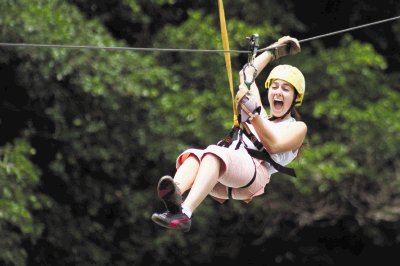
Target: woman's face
(280, 97)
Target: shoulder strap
(228, 139)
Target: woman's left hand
(286, 46)
(246, 106)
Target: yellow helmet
(289, 74)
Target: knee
(212, 158)
(214, 162)
(192, 161)
(192, 158)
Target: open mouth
(278, 104)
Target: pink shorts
(237, 170)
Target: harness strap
(228, 139)
(262, 154)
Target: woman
(231, 172)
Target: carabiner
(248, 83)
(253, 46)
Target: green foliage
(105, 125)
(95, 104)
(352, 130)
(329, 163)
(19, 200)
(191, 100)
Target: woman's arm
(280, 137)
(276, 138)
(259, 63)
(286, 45)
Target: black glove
(285, 46)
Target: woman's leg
(186, 173)
(200, 178)
(206, 178)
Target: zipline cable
(33, 45)
(336, 32)
(349, 29)
(66, 46)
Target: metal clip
(253, 47)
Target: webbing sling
(227, 55)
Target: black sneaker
(170, 194)
(178, 221)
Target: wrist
(255, 113)
(272, 54)
(252, 116)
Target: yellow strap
(225, 43)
